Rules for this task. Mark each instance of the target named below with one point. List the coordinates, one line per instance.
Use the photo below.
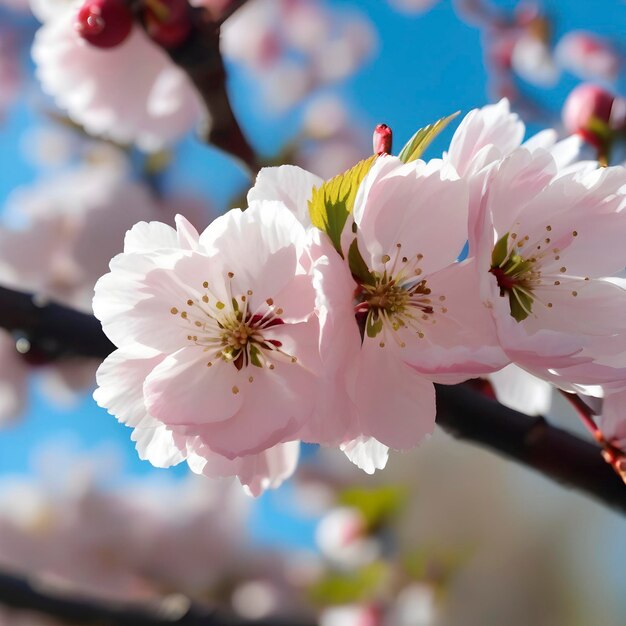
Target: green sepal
(519, 312)
(416, 146)
(254, 356)
(500, 251)
(373, 325)
(332, 202)
(358, 267)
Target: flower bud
(168, 22)
(104, 23)
(589, 111)
(382, 139)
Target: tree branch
(18, 593)
(462, 411)
(532, 441)
(200, 58)
(53, 330)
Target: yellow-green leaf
(416, 146)
(333, 201)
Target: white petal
(522, 391)
(366, 453)
(288, 184)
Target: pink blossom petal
(182, 390)
(120, 380)
(422, 207)
(396, 405)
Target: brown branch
(532, 441)
(200, 58)
(18, 593)
(462, 411)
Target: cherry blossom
(539, 274)
(239, 330)
(410, 336)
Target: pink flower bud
(104, 23)
(382, 139)
(587, 112)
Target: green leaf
(333, 201)
(500, 251)
(377, 505)
(339, 588)
(358, 266)
(416, 146)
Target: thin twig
(199, 56)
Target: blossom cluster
(326, 311)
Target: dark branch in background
(53, 331)
(20, 594)
(462, 411)
(200, 58)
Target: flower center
(523, 267)
(231, 331)
(397, 299)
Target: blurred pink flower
(102, 90)
(62, 246)
(532, 60)
(588, 56)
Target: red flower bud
(168, 22)
(104, 23)
(585, 104)
(382, 139)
